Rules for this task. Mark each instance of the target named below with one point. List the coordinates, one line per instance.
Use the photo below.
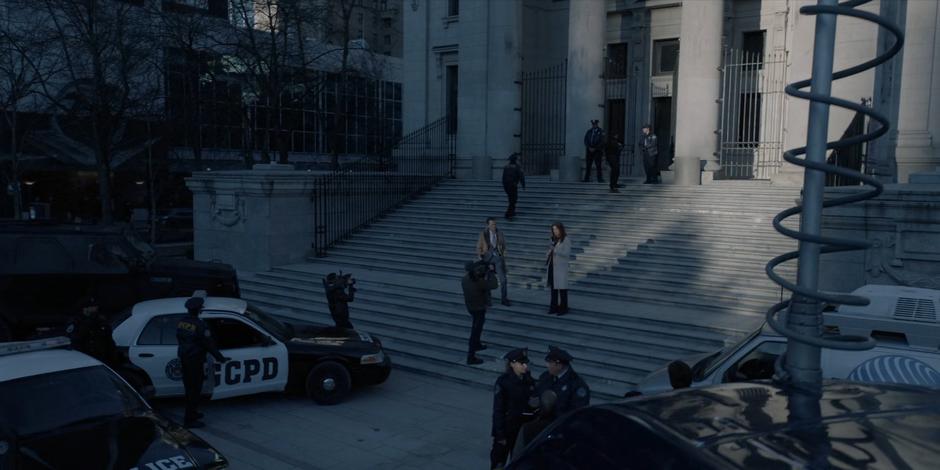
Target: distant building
(708, 75)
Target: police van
(266, 354)
(902, 320)
(62, 409)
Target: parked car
(62, 409)
(747, 426)
(903, 321)
(48, 270)
(266, 354)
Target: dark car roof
(758, 425)
(749, 424)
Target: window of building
(451, 84)
(752, 43)
(387, 22)
(388, 39)
(665, 56)
(360, 18)
(617, 60)
(453, 7)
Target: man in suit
(649, 148)
(491, 248)
(594, 140)
(512, 178)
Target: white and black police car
(266, 354)
(62, 409)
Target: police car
(902, 320)
(62, 409)
(266, 354)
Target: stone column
(587, 24)
(698, 88)
(252, 219)
(918, 114)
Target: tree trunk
(104, 186)
(15, 169)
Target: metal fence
(356, 194)
(543, 118)
(752, 114)
(619, 102)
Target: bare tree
(107, 79)
(24, 62)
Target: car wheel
(6, 334)
(328, 383)
(140, 383)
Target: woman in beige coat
(558, 257)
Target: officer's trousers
(651, 167)
(500, 452)
(193, 377)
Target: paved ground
(410, 422)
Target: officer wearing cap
(511, 404)
(512, 177)
(561, 378)
(195, 340)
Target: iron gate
(752, 114)
(543, 118)
(619, 105)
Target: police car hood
(119, 442)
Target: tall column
(918, 115)
(698, 88)
(587, 23)
(504, 67)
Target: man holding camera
(340, 290)
(477, 284)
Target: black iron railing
(355, 194)
(543, 118)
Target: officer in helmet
(512, 402)
(195, 340)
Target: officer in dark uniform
(338, 297)
(512, 178)
(90, 333)
(512, 405)
(561, 378)
(195, 341)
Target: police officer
(90, 333)
(649, 148)
(511, 405)
(195, 341)
(338, 298)
(512, 178)
(561, 378)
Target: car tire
(328, 383)
(140, 384)
(6, 333)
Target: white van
(903, 321)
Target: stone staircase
(658, 272)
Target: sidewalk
(410, 422)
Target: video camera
(339, 280)
(478, 269)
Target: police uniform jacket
(513, 176)
(511, 402)
(92, 335)
(195, 340)
(649, 146)
(594, 138)
(571, 390)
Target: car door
(154, 351)
(752, 363)
(258, 362)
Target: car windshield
(279, 330)
(705, 366)
(52, 401)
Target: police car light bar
(17, 347)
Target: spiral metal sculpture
(829, 244)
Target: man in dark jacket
(195, 340)
(594, 151)
(512, 177)
(649, 148)
(340, 290)
(561, 378)
(90, 333)
(614, 147)
(476, 284)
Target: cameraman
(476, 285)
(340, 290)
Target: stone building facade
(717, 105)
